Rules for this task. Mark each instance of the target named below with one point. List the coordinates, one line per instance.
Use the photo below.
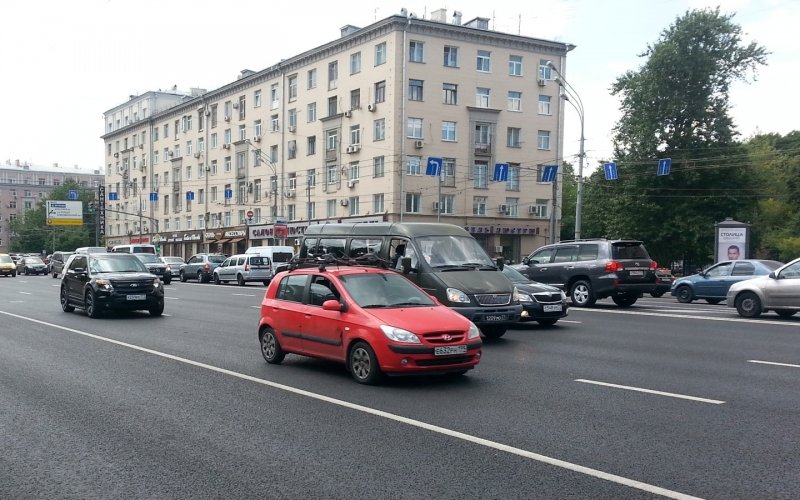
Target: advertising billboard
(64, 213)
(731, 243)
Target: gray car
(243, 268)
(779, 292)
(57, 261)
(201, 267)
(174, 263)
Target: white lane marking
(26, 293)
(690, 316)
(163, 314)
(650, 391)
(569, 321)
(772, 363)
(256, 307)
(632, 483)
(16, 301)
(172, 298)
(243, 294)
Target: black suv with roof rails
(594, 269)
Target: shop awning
(223, 240)
(235, 240)
(208, 242)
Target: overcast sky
(64, 63)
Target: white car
(779, 292)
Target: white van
(277, 254)
(134, 249)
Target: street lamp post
(274, 188)
(570, 95)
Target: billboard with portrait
(731, 243)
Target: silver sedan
(779, 292)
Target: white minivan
(243, 268)
(277, 255)
(134, 249)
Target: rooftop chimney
(348, 29)
(439, 15)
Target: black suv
(201, 266)
(154, 264)
(103, 282)
(594, 269)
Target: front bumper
(531, 311)
(493, 315)
(410, 359)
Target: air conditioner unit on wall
(289, 194)
(227, 118)
(542, 82)
(503, 209)
(418, 144)
(226, 146)
(343, 203)
(348, 114)
(236, 105)
(435, 206)
(372, 107)
(292, 128)
(351, 183)
(533, 210)
(197, 155)
(353, 148)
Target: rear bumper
(610, 284)
(485, 316)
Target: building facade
(24, 185)
(350, 131)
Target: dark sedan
(542, 303)
(712, 283)
(31, 265)
(154, 264)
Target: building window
(379, 129)
(311, 178)
(227, 164)
(484, 62)
(515, 65)
(413, 202)
(355, 134)
(380, 91)
(414, 128)
(311, 145)
(380, 54)
(330, 174)
(333, 106)
(449, 172)
(447, 204)
(544, 105)
(292, 118)
(331, 140)
(333, 75)
(482, 97)
(292, 83)
(545, 73)
(292, 147)
(415, 90)
(543, 139)
(451, 56)
(513, 207)
(352, 205)
(450, 93)
(377, 203)
(311, 112)
(242, 109)
(331, 208)
(480, 175)
(479, 205)
(414, 165)
(273, 96)
(513, 137)
(449, 131)
(512, 183)
(416, 51)
(242, 132)
(378, 166)
(274, 123)
(355, 63)
(311, 79)
(311, 210)
(514, 100)
(353, 171)
(355, 99)
(257, 99)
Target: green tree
(676, 105)
(569, 194)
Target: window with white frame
(355, 63)
(274, 123)
(451, 56)
(515, 65)
(257, 157)
(228, 136)
(331, 140)
(353, 171)
(330, 174)
(242, 132)
(380, 91)
(291, 117)
(544, 105)
(257, 98)
(484, 62)
(543, 139)
(355, 135)
(513, 137)
(542, 207)
(479, 205)
(292, 86)
(292, 181)
(448, 172)
(311, 112)
(482, 97)
(513, 207)
(242, 108)
(352, 205)
(480, 175)
(447, 204)
(355, 99)
(483, 137)
(188, 173)
(415, 88)
(311, 210)
(213, 167)
(214, 140)
(449, 131)
(333, 75)
(450, 93)
(274, 96)
(380, 54)
(273, 153)
(257, 128)
(155, 157)
(311, 145)
(333, 106)
(378, 203)
(414, 166)
(378, 166)
(413, 202)
(227, 164)
(545, 73)
(311, 79)
(330, 208)
(292, 149)
(514, 100)
(311, 178)
(379, 129)
(414, 128)
(201, 144)
(416, 51)
(213, 196)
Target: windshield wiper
(374, 306)
(400, 304)
(452, 267)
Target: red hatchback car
(374, 320)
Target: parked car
(7, 265)
(779, 291)
(542, 303)
(87, 250)
(57, 262)
(31, 265)
(104, 282)
(664, 279)
(373, 320)
(243, 269)
(153, 264)
(589, 270)
(712, 284)
(174, 264)
(201, 267)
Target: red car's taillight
(654, 265)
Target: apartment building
(23, 185)
(350, 131)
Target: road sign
(250, 214)
(153, 196)
(664, 165)
(611, 171)
(228, 194)
(72, 195)
(549, 173)
(500, 172)
(434, 167)
(64, 213)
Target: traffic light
(158, 249)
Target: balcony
(483, 149)
(176, 186)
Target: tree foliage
(676, 105)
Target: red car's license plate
(446, 350)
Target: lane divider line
(795, 324)
(773, 363)
(651, 391)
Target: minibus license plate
(137, 297)
(495, 317)
(447, 350)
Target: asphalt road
(662, 399)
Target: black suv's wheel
(363, 364)
(65, 301)
(90, 305)
(625, 300)
(270, 347)
(157, 310)
(656, 294)
(493, 332)
(684, 294)
(582, 294)
(167, 279)
(748, 305)
(183, 276)
(713, 301)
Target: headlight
(156, 283)
(456, 295)
(524, 297)
(474, 332)
(399, 335)
(105, 284)
(563, 295)
(516, 296)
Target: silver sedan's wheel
(748, 305)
